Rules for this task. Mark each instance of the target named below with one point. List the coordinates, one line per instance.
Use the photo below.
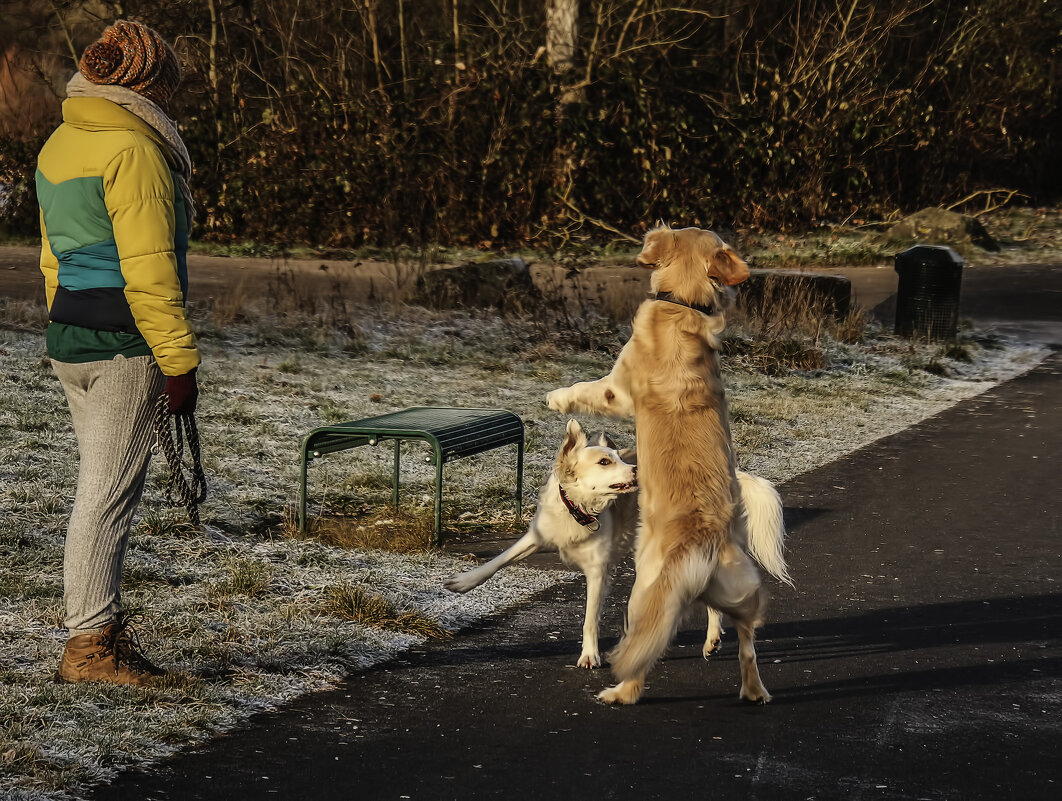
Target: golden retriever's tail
(654, 613)
(766, 529)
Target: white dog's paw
(589, 660)
(460, 583)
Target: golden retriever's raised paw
(557, 401)
(625, 693)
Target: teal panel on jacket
(75, 213)
(180, 217)
(92, 267)
(180, 250)
(180, 236)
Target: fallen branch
(989, 193)
(583, 217)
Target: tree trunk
(562, 19)
(561, 27)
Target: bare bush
(343, 125)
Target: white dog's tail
(763, 516)
(654, 613)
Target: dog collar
(670, 298)
(581, 517)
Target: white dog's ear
(604, 440)
(573, 438)
(725, 265)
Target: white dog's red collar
(581, 517)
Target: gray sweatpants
(112, 404)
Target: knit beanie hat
(133, 55)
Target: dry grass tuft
(23, 315)
(230, 306)
(363, 526)
(245, 577)
(850, 328)
(175, 688)
(383, 529)
(957, 350)
(773, 357)
(315, 315)
(781, 305)
(786, 324)
(350, 602)
(161, 523)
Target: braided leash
(171, 443)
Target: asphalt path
(918, 657)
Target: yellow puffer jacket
(114, 240)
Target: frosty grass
(239, 609)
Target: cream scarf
(153, 115)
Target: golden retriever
(693, 538)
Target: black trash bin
(927, 295)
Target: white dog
(588, 511)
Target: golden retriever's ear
(658, 243)
(727, 267)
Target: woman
(115, 214)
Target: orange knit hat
(133, 55)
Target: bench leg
(394, 490)
(437, 535)
(519, 481)
(302, 495)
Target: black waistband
(102, 309)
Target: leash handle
(179, 489)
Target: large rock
(504, 284)
(934, 226)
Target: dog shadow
(921, 648)
(796, 516)
(916, 648)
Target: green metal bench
(452, 432)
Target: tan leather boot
(111, 655)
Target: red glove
(183, 392)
